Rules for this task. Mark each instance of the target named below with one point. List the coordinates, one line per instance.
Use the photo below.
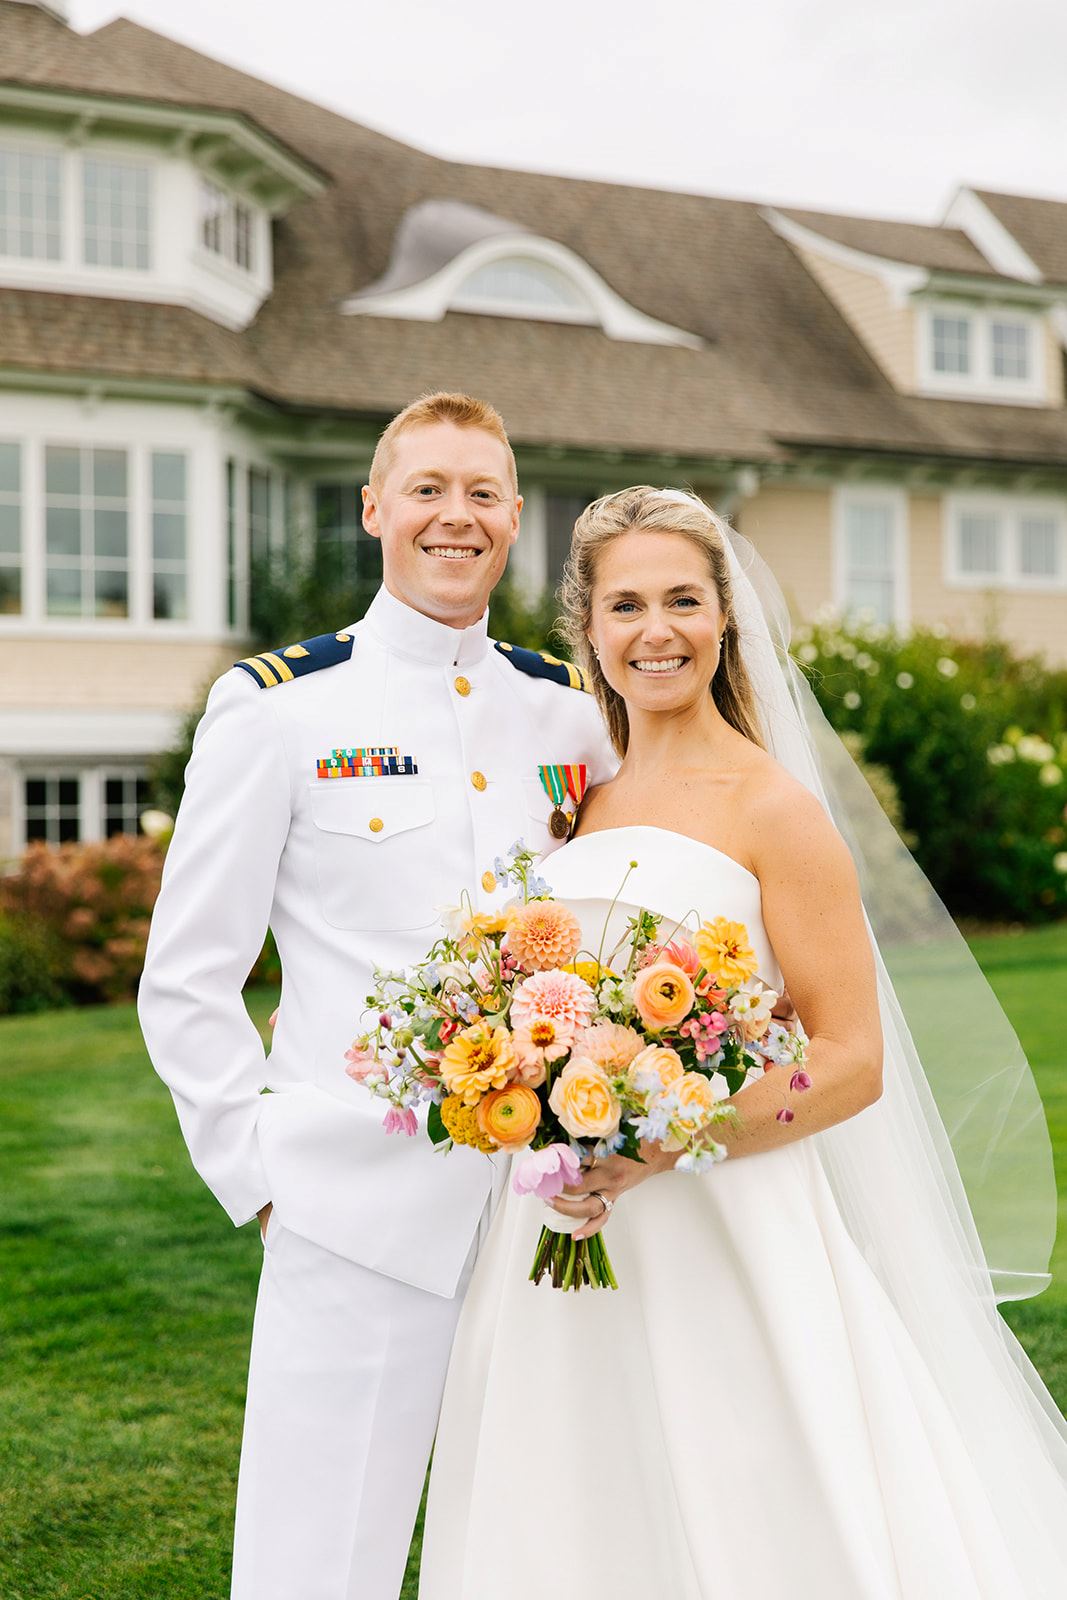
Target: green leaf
(435, 1127)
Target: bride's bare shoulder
(783, 816)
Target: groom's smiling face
(447, 513)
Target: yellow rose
(655, 1068)
(510, 1116)
(697, 1100)
(582, 1100)
(663, 995)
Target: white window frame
(846, 495)
(128, 237)
(1010, 510)
(980, 383)
(236, 219)
(42, 229)
(89, 565)
(92, 803)
(16, 498)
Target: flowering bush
(982, 795)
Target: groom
(341, 791)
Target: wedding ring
(609, 1205)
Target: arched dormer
(449, 256)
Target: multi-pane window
(52, 807)
(951, 344)
(1010, 350)
(226, 226)
(126, 795)
(259, 498)
(116, 220)
(30, 204)
(170, 590)
(1008, 543)
(10, 529)
(869, 576)
(86, 532)
(339, 528)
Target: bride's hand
(609, 1177)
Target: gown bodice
(682, 879)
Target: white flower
(1059, 861)
(904, 680)
(873, 668)
(863, 660)
(968, 702)
(947, 667)
(847, 649)
(851, 700)
(808, 653)
(700, 1160)
(156, 824)
(1050, 775)
(998, 755)
(1031, 748)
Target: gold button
(479, 780)
(342, 638)
(488, 882)
(376, 824)
(463, 686)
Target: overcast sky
(835, 104)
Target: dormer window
(226, 226)
(980, 353)
(518, 286)
(29, 204)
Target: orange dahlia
(543, 934)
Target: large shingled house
(212, 294)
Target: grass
(126, 1303)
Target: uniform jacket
(350, 872)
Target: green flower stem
(572, 1263)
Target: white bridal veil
(946, 1184)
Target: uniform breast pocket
(375, 853)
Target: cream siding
(790, 528)
(868, 306)
(117, 674)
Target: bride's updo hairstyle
(647, 510)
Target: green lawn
(126, 1303)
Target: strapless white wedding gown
(746, 1418)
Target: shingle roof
(942, 249)
(778, 366)
(1040, 226)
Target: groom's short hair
(464, 410)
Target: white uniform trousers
(345, 1381)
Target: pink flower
(362, 1063)
(546, 1173)
(558, 997)
(683, 954)
(800, 1080)
(540, 1041)
(397, 1121)
(785, 1115)
(609, 1045)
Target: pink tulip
(785, 1115)
(547, 1172)
(397, 1121)
(800, 1080)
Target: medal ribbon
(554, 782)
(577, 782)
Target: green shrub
(982, 800)
(31, 966)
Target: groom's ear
(370, 512)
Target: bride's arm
(815, 924)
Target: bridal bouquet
(515, 1039)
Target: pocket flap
(374, 809)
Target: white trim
(65, 737)
(901, 279)
(92, 794)
(881, 495)
(969, 212)
(429, 300)
(1009, 510)
(979, 383)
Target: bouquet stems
(573, 1263)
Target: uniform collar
(406, 632)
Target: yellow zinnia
(462, 1123)
(724, 951)
(477, 1060)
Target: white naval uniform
(372, 1237)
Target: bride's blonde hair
(647, 510)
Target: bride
(802, 1385)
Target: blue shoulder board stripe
(539, 664)
(294, 660)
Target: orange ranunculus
(663, 995)
(510, 1116)
(583, 1101)
(477, 1060)
(724, 951)
(656, 1067)
(697, 1099)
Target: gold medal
(559, 825)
